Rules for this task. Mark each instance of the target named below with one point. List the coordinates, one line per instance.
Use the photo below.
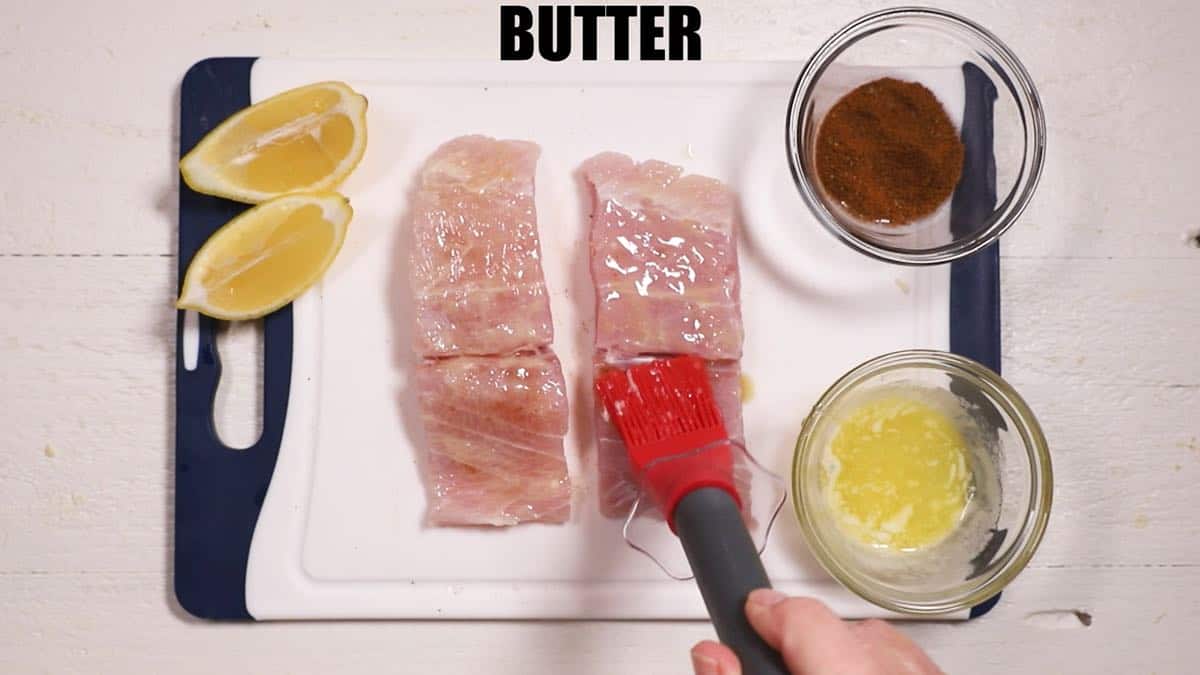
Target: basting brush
(681, 455)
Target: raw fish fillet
(491, 391)
(618, 490)
(664, 260)
(664, 263)
(495, 427)
(476, 269)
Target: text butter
(664, 33)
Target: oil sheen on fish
(664, 260)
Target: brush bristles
(660, 400)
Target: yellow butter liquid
(897, 474)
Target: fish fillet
(476, 267)
(664, 260)
(663, 254)
(491, 391)
(495, 427)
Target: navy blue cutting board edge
(214, 527)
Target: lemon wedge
(266, 257)
(303, 140)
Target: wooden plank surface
(1101, 298)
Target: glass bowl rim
(1016, 79)
(1037, 452)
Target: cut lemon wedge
(266, 257)
(303, 140)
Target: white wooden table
(1101, 317)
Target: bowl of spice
(915, 136)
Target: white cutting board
(341, 535)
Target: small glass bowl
(1012, 486)
(950, 55)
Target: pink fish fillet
(495, 426)
(476, 266)
(664, 260)
(491, 391)
(664, 263)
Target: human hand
(814, 641)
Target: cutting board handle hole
(238, 407)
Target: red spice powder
(888, 152)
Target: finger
(810, 637)
(714, 658)
(895, 648)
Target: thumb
(714, 658)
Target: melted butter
(747, 387)
(897, 474)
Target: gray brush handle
(727, 568)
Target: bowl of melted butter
(922, 482)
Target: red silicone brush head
(673, 431)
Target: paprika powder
(888, 152)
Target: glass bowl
(1011, 486)
(966, 67)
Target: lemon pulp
(247, 277)
(276, 154)
(897, 474)
(303, 140)
(266, 257)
